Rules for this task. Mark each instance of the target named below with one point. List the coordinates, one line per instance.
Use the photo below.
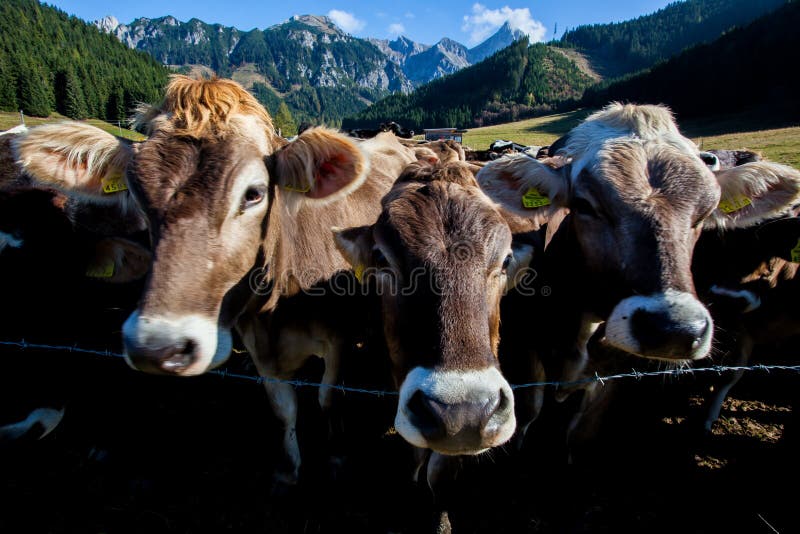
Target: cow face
(639, 194)
(207, 179)
(439, 254)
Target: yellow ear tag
(114, 184)
(534, 199)
(359, 272)
(734, 204)
(796, 252)
(296, 189)
(101, 270)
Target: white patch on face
(753, 301)
(683, 310)
(211, 345)
(9, 241)
(457, 387)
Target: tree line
(635, 44)
(745, 68)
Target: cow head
(639, 194)
(214, 180)
(440, 254)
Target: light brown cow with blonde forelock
(638, 193)
(239, 218)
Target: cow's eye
(581, 206)
(253, 196)
(379, 259)
(507, 262)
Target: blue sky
(424, 21)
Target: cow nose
(657, 329)
(437, 420)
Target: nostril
(505, 402)
(425, 414)
(492, 405)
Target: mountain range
(301, 59)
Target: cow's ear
(753, 193)
(320, 164)
(118, 260)
(780, 239)
(355, 244)
(75, 158)
(519, 268)
(524, 186)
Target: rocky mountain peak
(320, 22)
(107, 24)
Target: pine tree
(34, 93)
(74, 100)
(284, 121)
(115, 108)
(8, 87)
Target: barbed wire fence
(634, 374)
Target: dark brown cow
(639, 194)
(440, 253)
(749, 277)
(239, 219)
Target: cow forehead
(634, 170)
(166, 164)
(439, 222)
(623, 123)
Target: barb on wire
(596, 378)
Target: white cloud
(346, 21)
(483, 22)
(409, 15)
(396, 29)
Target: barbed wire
(682, 371)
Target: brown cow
(239, 218)
(440, 254)
(639, 194)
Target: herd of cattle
(622, 239)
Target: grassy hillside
(776, 141)
(11, 119)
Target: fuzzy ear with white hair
(320, 164)
(526, 187)
(753, 193)
(75, 158)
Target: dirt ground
(152, 455)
